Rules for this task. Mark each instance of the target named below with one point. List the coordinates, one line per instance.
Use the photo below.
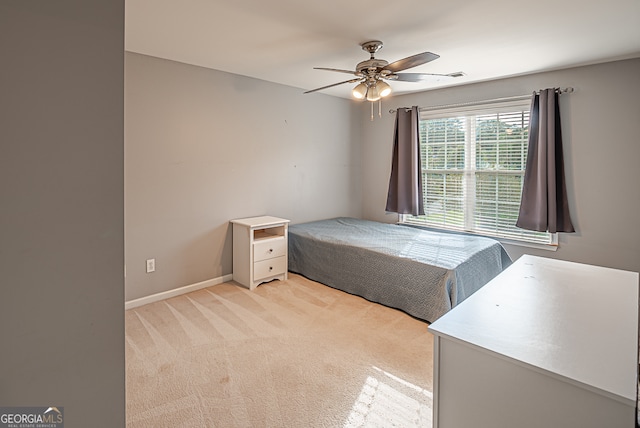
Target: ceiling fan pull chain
(380, 107)
(372, 112)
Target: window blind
(473, 162)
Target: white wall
(204, 147)
(601, 133)
(61, 208)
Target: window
(473, 162)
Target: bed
(421, 272)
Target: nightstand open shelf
(268, 233)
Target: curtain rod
(494, 100)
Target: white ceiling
(282, 40)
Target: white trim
(475, 108)
(553, 246)
(176, 292)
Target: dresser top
(262, 221)
(570, 320)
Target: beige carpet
(289, 354)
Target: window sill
(546, 247)
(553, 246)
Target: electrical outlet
(151, 265)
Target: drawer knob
(270, 268)
(271, 250)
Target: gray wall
(203, 147)
(601, 132)
(61, 208)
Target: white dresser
(547, 343)
(259, 250)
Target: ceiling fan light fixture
(383, 88)
(373, 94)
(360, 91)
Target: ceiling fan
(373, 72)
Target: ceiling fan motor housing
(372, 64)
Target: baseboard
(176, 292)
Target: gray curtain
(405, 184)
(544, 205)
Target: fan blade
(412, 61)
(335, 84)
(338, 70)
(420, 77)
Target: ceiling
(282, 40)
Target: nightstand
(259, 250)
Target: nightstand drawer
(269, 267)
(269, 249)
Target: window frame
(469, 113)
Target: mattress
(422, 272)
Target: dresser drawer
(271, 267)
(269, 249)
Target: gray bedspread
(421, 272)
